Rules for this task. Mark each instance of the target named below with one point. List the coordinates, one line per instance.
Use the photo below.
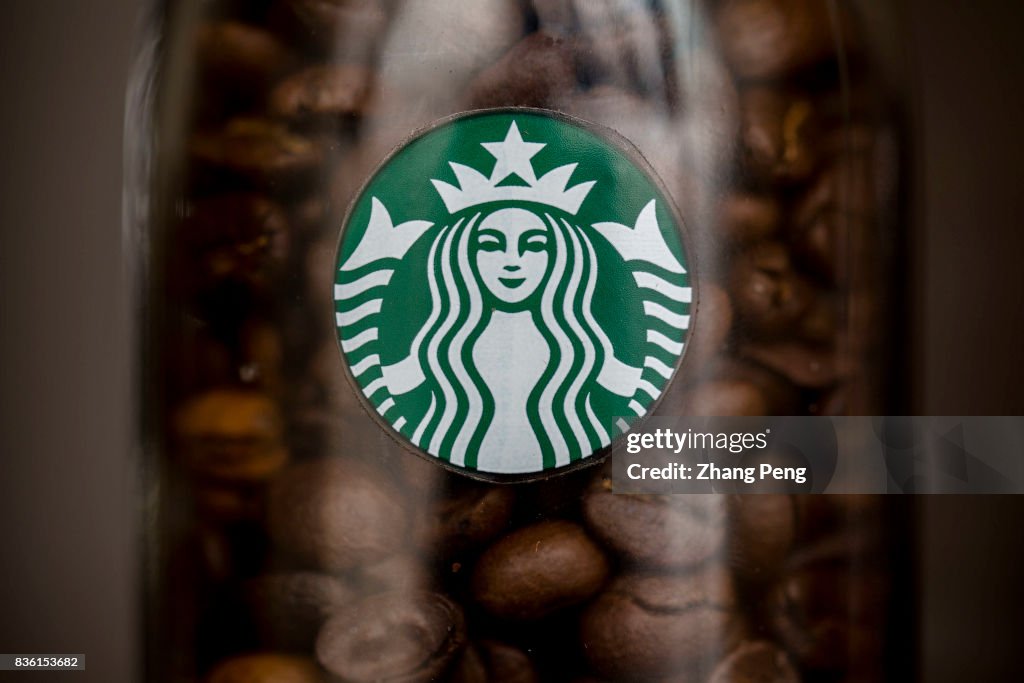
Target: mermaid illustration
(505, 373)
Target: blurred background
(68, 511)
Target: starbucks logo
(511, 291)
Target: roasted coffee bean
(324, 94)
(820, 322)
(761, 532)
(392, 637)
(288, 608)
(309, 216)
(493, 662)
(826, 611)
(398, 573)
(335, 514)
(769, 295)
(723, 397)
(231, 435)
(649, 626)
(261, 355)
(331, 21)
(756, 661)
(472, 515)
(833, 215)
(749, 217)
(709, 337)
(259, 151)
(825, 516)
(538, 570)
(729, 386)
(779, 132)
(803, 364)
(266, 668)
(230, 502)
(470, 667)
(657, 532)
(208, 357)
(538, 71)
(768, 39)
(239, 237)
(240, 56)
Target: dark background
(68, 511)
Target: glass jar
(405, 266)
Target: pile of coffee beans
(294, 542)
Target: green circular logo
(511, 292)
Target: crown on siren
(513, 156)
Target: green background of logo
(403, 184)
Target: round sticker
(512, 291)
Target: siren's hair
(559, 406)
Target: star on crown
(513, 156)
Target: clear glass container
(290, 158)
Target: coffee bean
(761, 530)
(392, 637)
(266, 668)
(769, 39)
(240, 237)
(749, 217)
(538, 570)
(251, 356)
(833, 216)
(657, 532)
(237, 55)
(473, 515)
(288, 608)
(228, 503)
(470, 516)
(708, 338)
(259, 151)
(721, 397)
(309, 216)
(493, 662)
(731, 386)
(536, 72)
(826, 516)
(649, 626)
(779, 132)
(231, 435)
(398, 573)
(334, 24)
(803, 364)
(827, 612)
(820, 324)
(324, 94)
(769, 295)
(335, 514)
(756, 661)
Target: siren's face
(512, 253)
